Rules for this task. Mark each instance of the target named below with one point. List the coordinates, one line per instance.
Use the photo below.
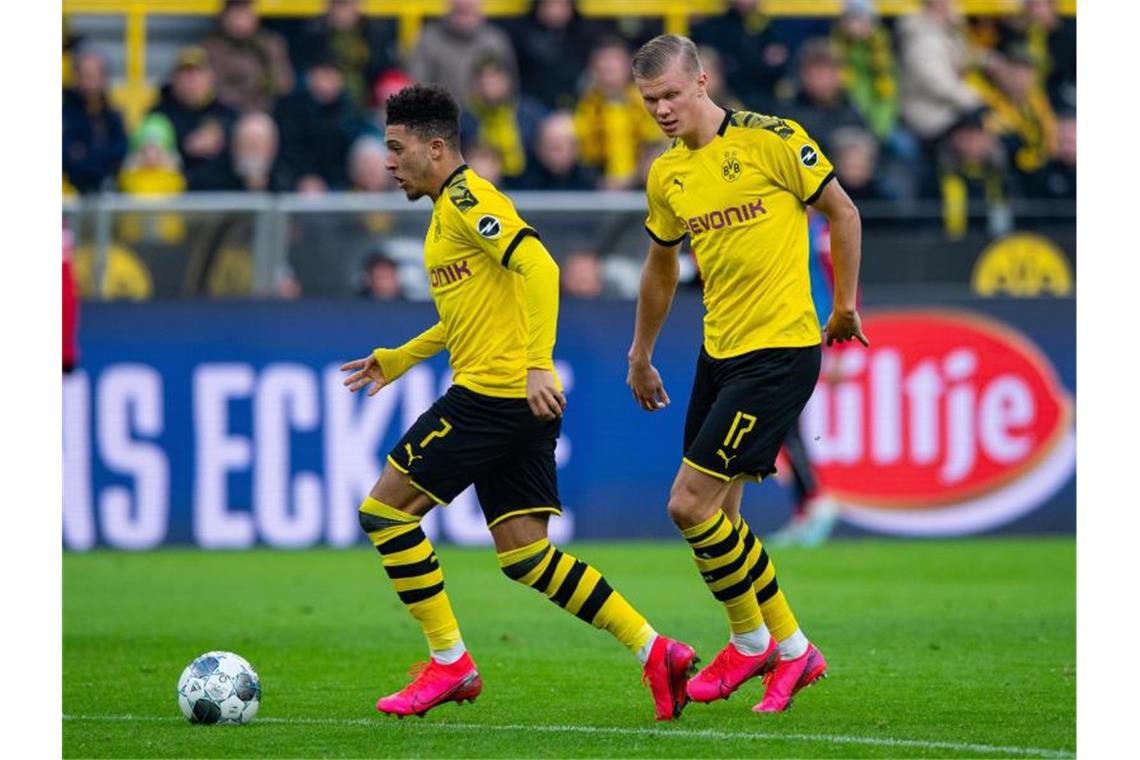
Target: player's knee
(374, 515)
(692, 502)
(684, 507)
(367, 520)
(519, 564)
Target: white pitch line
(620, 731)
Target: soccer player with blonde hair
(738, 184)
(495, 287)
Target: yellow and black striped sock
(577, 588)
(777, 612)
(410, 562)
(721, 559)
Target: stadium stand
(860, 75)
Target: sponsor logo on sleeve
(809, 156)
(488, 226)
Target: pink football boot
(789, 677)
(434, 684)
(666, 672)
(728, 670)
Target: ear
(702, 83)
(436, 148)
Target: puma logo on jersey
(411, 456)
(726, 457)
(446, 275)
(679, 183)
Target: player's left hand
(845, 326)
(367, 370)
(542, 394)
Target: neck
(708, 124)
(443, 176)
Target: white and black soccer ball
(219, 687)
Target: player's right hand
(844, 326)
(364, 371)
(645, 383)
(542, 395)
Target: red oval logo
(942, 408)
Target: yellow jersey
(495, 288)
(742, 200)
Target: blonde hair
(655, 56)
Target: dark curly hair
(427, 110)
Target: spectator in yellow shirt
(153, 167)
(500, 117)
(611, 121)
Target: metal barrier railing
(240, 244)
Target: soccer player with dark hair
(495, 287)
(738, 184)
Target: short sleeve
(661, 224)
(795, 161)
(494, 226)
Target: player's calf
(410, 562)
(580, 589)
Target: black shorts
(496, 443)
(742, 408)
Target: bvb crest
(730, 169)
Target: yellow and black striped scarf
(499, 128)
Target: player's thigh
(716, 446)
(732, 499)
(395, 489)
(526, 483)
(450, 444)
(753, 412)
(701, 399)
(786, 386)
(798, 458)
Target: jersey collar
(458, 170)
(724, 124)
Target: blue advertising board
(225, 425)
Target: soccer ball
(219, 687)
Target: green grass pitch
(937, 649)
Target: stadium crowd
(906, 109)
(930, 105)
